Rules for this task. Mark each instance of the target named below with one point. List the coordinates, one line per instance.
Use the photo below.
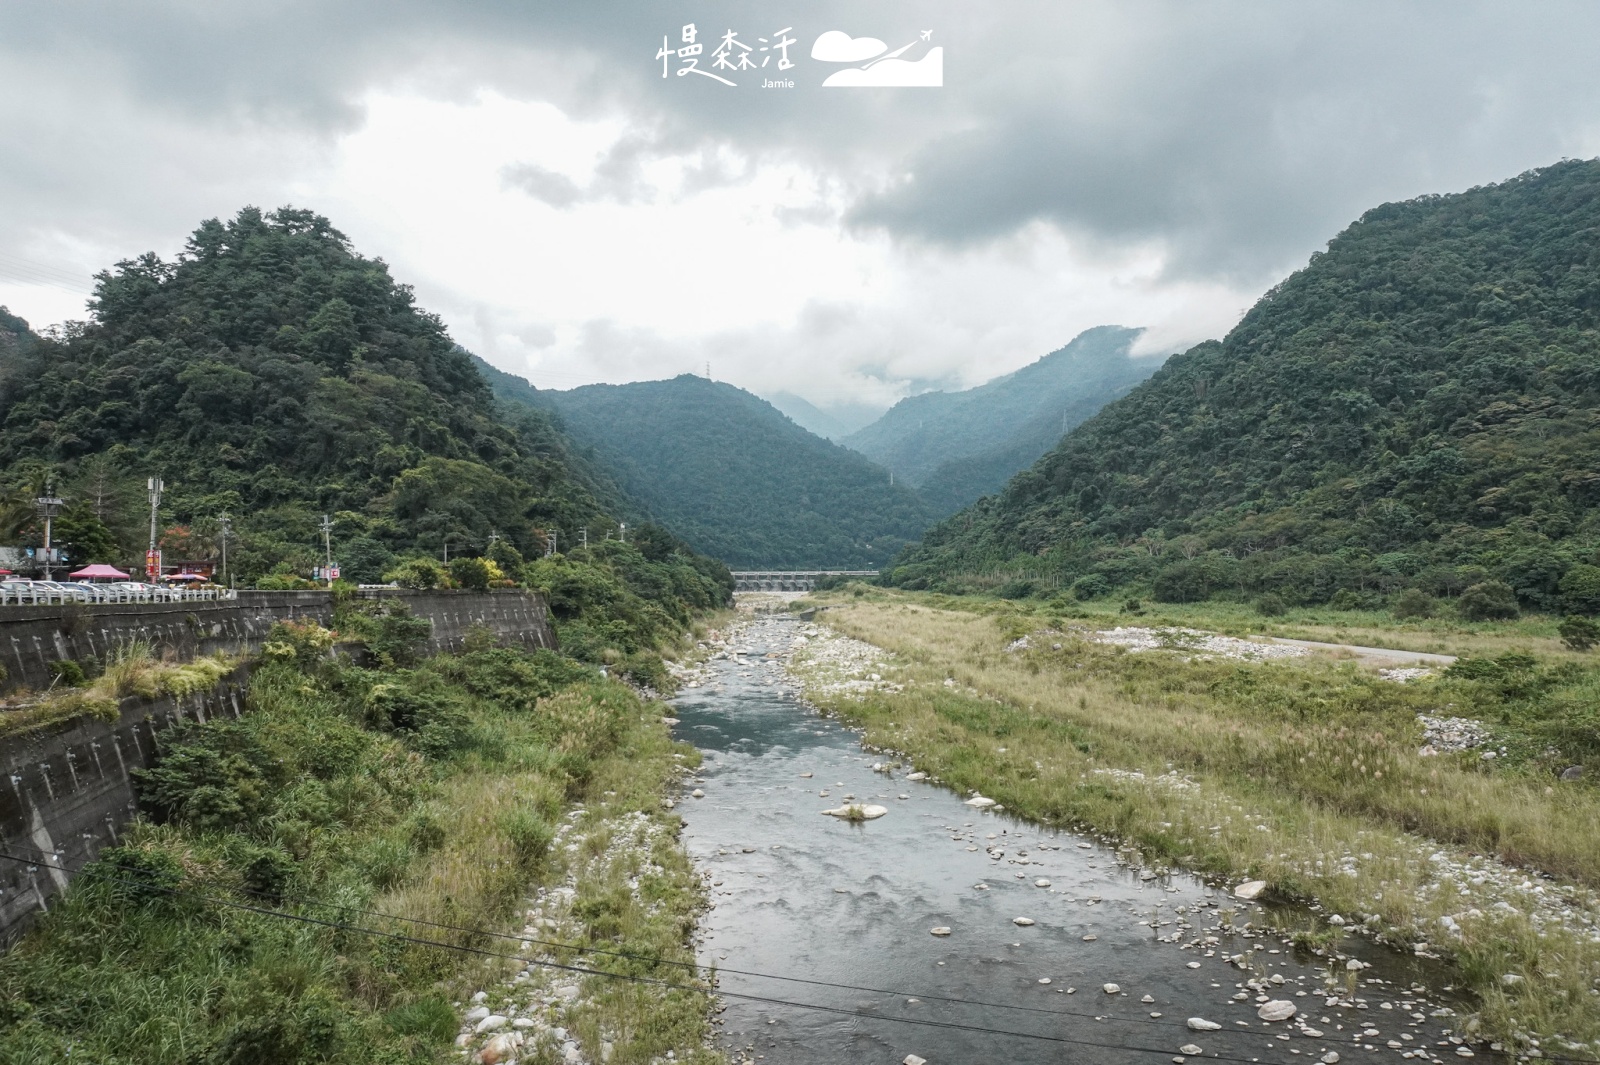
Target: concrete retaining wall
(31, 637)
(66, 789)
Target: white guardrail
(50, 596)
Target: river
(801, 895)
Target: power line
(651, 981)
(577, 949)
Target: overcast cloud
(576, 217)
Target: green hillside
(962, 445)
(1418, 407)
(273, 374)
(734, 477)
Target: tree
(1491, 600)
(1412, 603)
(1580, 589)
(418, 574)
(473, 573)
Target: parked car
(63, 591)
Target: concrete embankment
(66, 789)
(31, 637)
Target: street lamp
(327, 549)
(225, 526)
(49, 506)
(152, 558)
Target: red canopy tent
(99, 571)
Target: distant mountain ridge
(961, 445)
(732, 475)
(831, 424)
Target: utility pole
(49, 506)
(550, 542)
(152, 558)
(327, 549)
(583, 537)
(225, 526)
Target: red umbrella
(98, 570)
(184, 577)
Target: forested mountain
(272, 373)
(1418, 407)
(961, 445)
(734, 477)
(834, 424)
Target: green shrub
(1579, 634)
(1412, 603)
(432, 723)
(388, 630)
(1271, 606)
(67, 673)
(207, 776)
(418, 574)
(530, 835)
(1091, 586)
(431, 1019)
(1489, 601)
(1016, 589)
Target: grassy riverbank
(1303, 772)
(437, 791)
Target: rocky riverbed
(949, 911)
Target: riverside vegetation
(423, 789)
(1303, 772)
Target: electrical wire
(649, 981)
(692, 966)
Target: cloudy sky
(575, 216)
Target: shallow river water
(798, 894)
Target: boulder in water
(857, 811)
(1279, 1009)
(1250, 889)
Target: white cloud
(836, 46)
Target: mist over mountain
(831, 424)
(962, 445)
(734, 477)
(1418, 407)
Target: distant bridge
(799, 580)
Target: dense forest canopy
(1417, 408)
(735, 478)
(272, 373)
